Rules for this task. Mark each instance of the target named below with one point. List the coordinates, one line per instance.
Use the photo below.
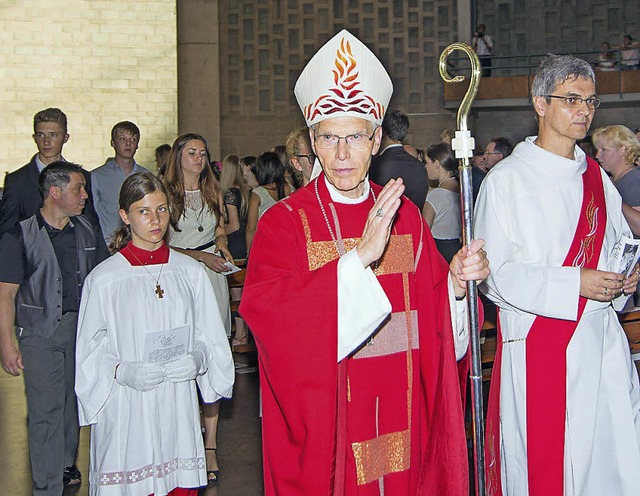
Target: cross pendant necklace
(159, 291)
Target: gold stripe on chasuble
(391, 452)
(382, 455)
(397, 258)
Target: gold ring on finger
(379, 213)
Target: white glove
(186, 368)
(139, 376)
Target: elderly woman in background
(272, 187)
(618, 150)
(197, 229)
(442, 207)
(235, 192)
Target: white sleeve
(211, 338)
(95, 360)
(459, 321)
(362, 303)
(488, 42)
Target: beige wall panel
(100, 62)
(199, 71)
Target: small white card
(164, 346)
(232, 269)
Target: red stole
(546, 362)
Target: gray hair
(57, 174)
(556, 69)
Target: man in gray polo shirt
(107, 179)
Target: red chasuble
(387, 418)
(547, 343)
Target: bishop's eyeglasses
(329, 141)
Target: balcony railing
(511, 77)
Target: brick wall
(100, 61)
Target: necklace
(335, 241)
(326, 219)
(193, 201)
(445, 180)
(199, 219)
(159, 291)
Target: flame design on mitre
(348, 94)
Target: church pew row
(630, 323)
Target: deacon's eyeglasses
(574, 101)
(310, 157)
(329, 141)
(493, 153)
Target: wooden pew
(630, 323)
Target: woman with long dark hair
(442, 207)
(197, 229)
(272, 187)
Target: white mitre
(343, 79)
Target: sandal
(240, 341)
(212, 475)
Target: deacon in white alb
(564, 412)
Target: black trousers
(485, 63)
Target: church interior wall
(100, 62)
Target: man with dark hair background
(497, 149)
(393, 161)
(45, 259)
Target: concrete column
(465, 22)
(199, 71)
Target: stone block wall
(264, 45)
(100, 61)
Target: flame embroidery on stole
(586, 245)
